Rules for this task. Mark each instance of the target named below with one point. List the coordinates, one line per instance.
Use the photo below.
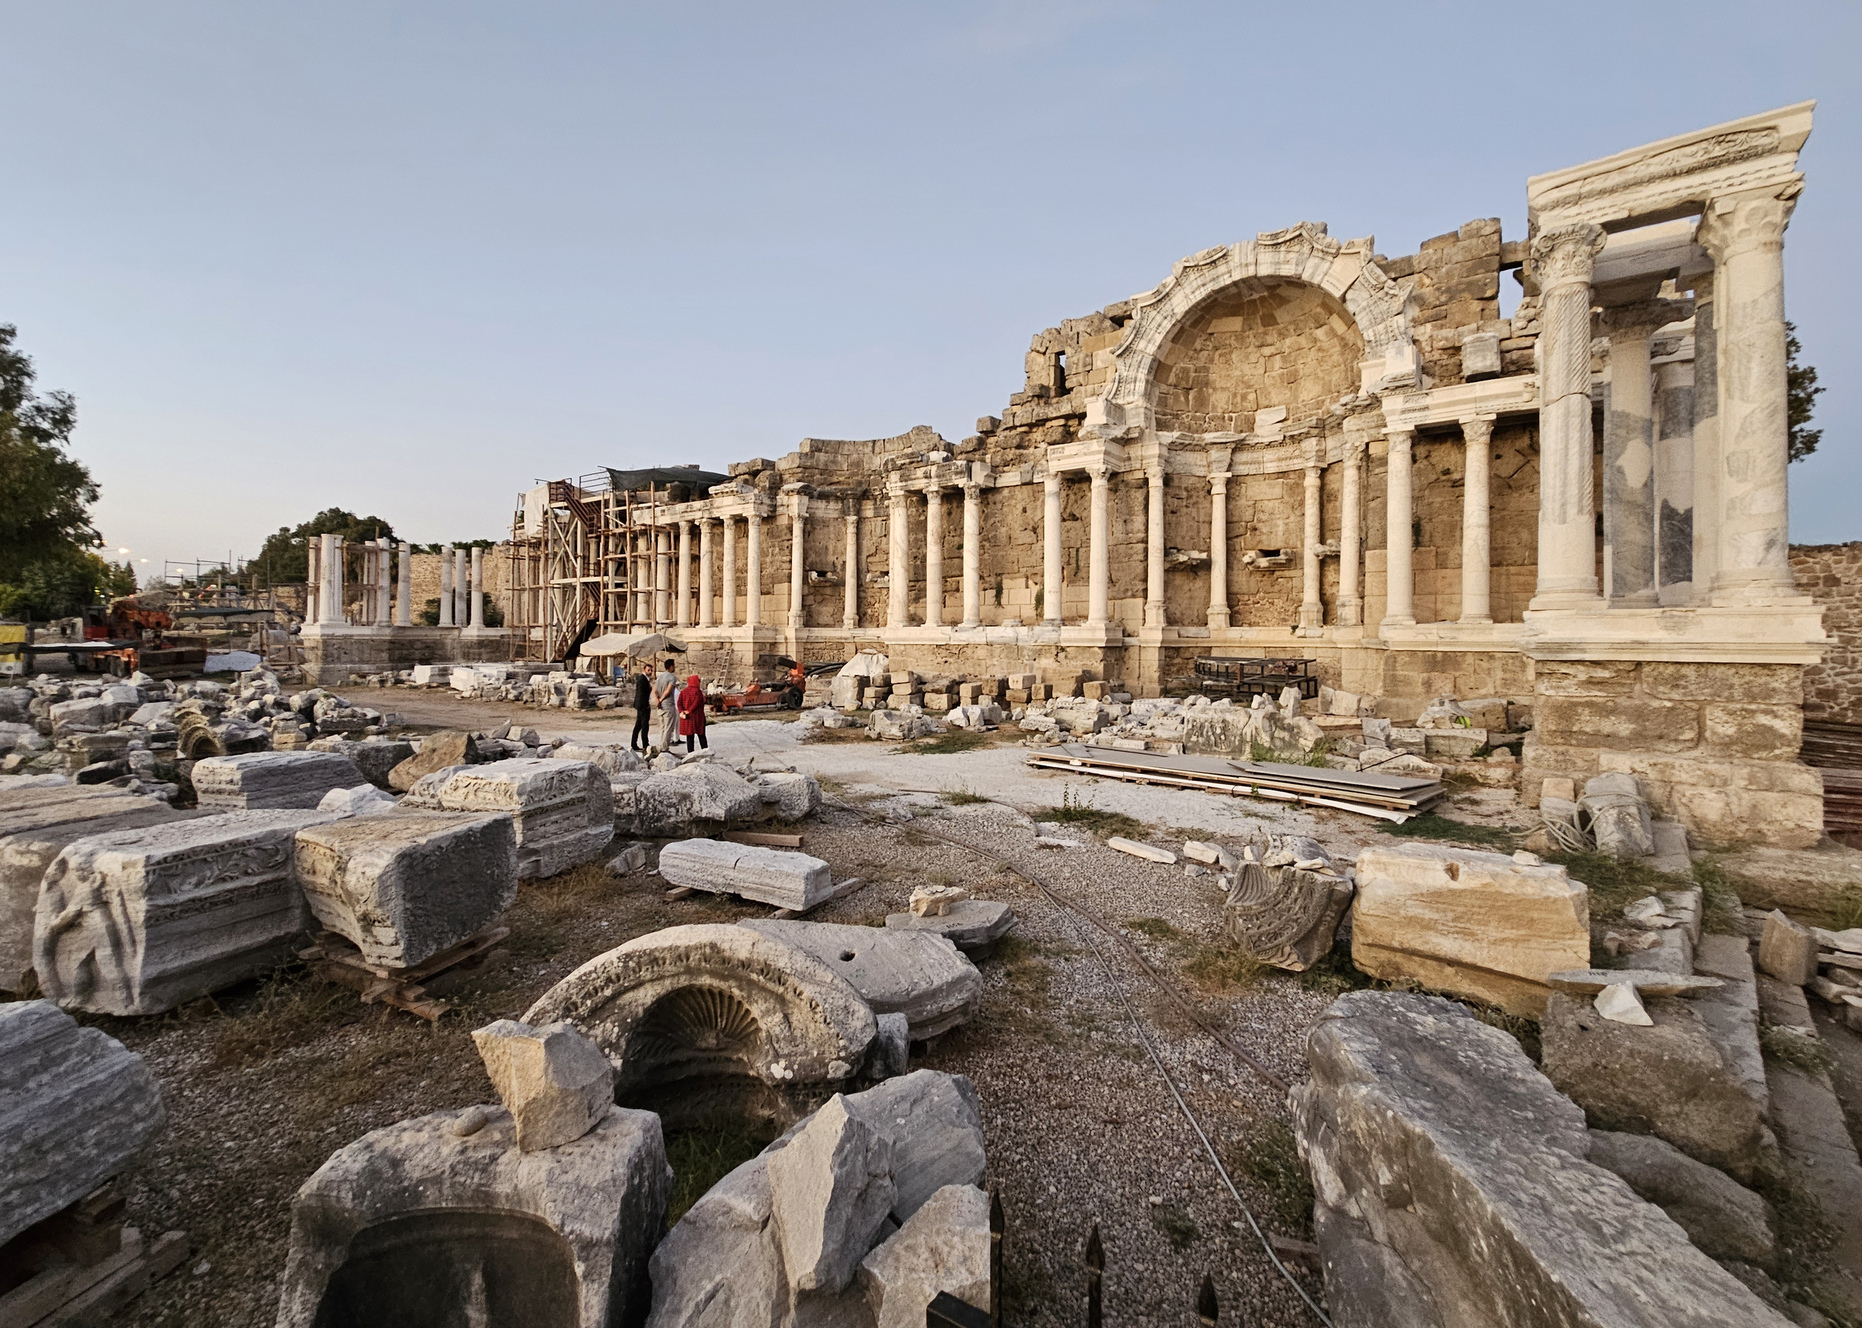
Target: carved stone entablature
(1087, 453)
(1303, 253)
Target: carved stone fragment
(1284, 916)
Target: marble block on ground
(768, 875)
(374, 758)
(971, 925)
(917, 974)
(140, 921)
(77, 1107)
(407, 885)
(261, 781)
(562, 812)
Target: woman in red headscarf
(691, 704)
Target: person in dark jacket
(643, 708)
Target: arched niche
(438, 1268)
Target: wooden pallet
(82, 1265)
(336, 960)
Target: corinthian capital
(1744, 222)
(1566, 254)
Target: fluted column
(1218, 551)
(682, 613)
(934, 556)
(1312, 607)
(707, 572)
(478, 586)
(753, 570)
(1564, 259)
(1674, 482)
(1099, 566)
(730, 572)
(404, 590)
(1629, 456)
(446, 587)
(972, 555)
(1745, 235)
(899, 570)
(313, 579)
(461, 588)
(1154, 547)
(798, 613)
(850, 585)
(1351, 535)
(1050, 552)
(1399, 574)
(1476, 520)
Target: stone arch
(1305, 254)
(714, 1022)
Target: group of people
(682, 709)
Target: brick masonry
(1831, 574)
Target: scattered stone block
(438, 751)
(1472, 923)
(1787, 950)
(1451, 1186)
(1149, 852)
(1723, 1218)
(610, 758)
(973, 925)
(797, 795)
(934, 901)
(1284, 916)
(77, 1108)
(1619, 816)
(768, 875)
(363, 800)
(632, 858)
(135, 922)
(265, 781)
(721, 1264)
(1453, 744)
(704, 793)
(405, 887)
(556, 1084)
(1619, 1002)
(943, 1247)
(376, 759)
(830, 1188)
(916, 973)
(562, 812)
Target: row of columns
(387, 584)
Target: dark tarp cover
(699, 481)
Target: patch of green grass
(1334, 974)
(952, 743)
(1215, 971)
(1156, 928)
(963, 796)
(1270, 1156)
(1721, 912)
(1615, 882)
(1077, 809)
(700, 1158)
(1179, 1227)
(1430, 826)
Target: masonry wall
(1831, 574)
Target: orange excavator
(129, 636)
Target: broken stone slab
(1647, 982)
(1788, 950)
(375, 759)
(562, 812)
(703, 793)
(402, 888)
(362, 800)
(1620, 1003)
(1149, 852)
(134, 922)
(1849, 942)
(795, 795)
(830, 1189)
(77, 1107)
(1467, 922)
(611, 758)
(1731, 1010)
(437, 752)
(265, 781)
(443, 1219)
(31, 836)
(556, 1084)
(1723, 1218)
(943, 1247)
(918, 974)
(714, 1023)
(721, 1264)
(1451, 1187)
(1669, 1080)
(768, 875)
(972, 925)
(936, 1126)
(632, 858)
(934, 901)
(1284, 916)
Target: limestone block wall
(1455, 289)
(1831, 574)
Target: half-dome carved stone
(1284, 916)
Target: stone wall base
(1713, 746)
(331, 654)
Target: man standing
(665, 696)
(643, 708)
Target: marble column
(1218, 551)
(404, 590)
(1706, 534)
(1674, 482)
(384, 582)
(461, 587)
(313, 579)
(1745, 235)
(478, 587)
(753, 570)
(972, 555)
(1563, 259)
(707, 572)
(662, 576)
(333, 581)
(1351, 536)
(1629, 457)
(798, 574)
(1099, 555)
(446, 588)
(934, 556)
(730, 572)
(1050, 552)
(850, 583)
(682, 612)
(1312, 607)
(1477, 520)
(1399, 573)
(899, 569)
(1154, 615)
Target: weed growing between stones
(1077, 809)
(1334, 974)
(963, 796)
(1156, 928)
(1615, 882)
(1500, 839)
(1269, 1155)
(944, 744)
(1797, 1047)
(700, 1158)
(1179, 1227)
(1720, 907)
(1215, 972)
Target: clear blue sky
(407, 258)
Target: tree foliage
(285, 556)
(1801, 396)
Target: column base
(1350, 613)
(1475, 620)
(1312, 615)
(1567, 601)
(1218, 620)
(1641, 599)
(1154, 613)
(969, 624)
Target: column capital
(1154, 474)
(1051, 481)
(1744, 222)
(1479, 427)
(972, 489)
(1566, 255)
(1218, 484)
(1098, 472)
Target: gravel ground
(264, 1082)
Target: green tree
(285, 556)
(1801, 396)
(48, 567)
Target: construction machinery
(779, 689)
(127, 636)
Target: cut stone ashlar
(77, 1108)
(261, 781)
(405, 886)
(562, 811)
(717, 1024)
(556, 1084)
(972, 925)
(918, 974)
(139, 921)
(767, 875)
